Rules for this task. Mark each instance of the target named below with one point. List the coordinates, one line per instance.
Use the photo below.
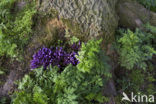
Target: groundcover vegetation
(67, 81)
(57, 63)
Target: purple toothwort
(55, 57)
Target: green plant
(87, 56)
(137, 81)
(5, 6)
(23, 25)
(3, 100)
(73, 85)
(131, 81)
(74, 40)
(15, 27)
(137, 78)
(150, 80)
(135, 49)
(151, 29)
(151, 4)
(2, 71)
(6, 47)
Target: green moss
(52, 36)
(44, 35)
(74, 29)
(53, 13)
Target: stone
(20, 5)
(153, 18)
(110, 89)
(14, 74)
(133, 15)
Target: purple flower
(76, 47)
(55, 57)
(42, 57)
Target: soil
(14, 72)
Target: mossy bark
(86, 19)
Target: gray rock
(110, 89)
(153, 18)
(21, 5)
(133, 14)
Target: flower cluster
(55, 57)
(75, 46)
